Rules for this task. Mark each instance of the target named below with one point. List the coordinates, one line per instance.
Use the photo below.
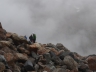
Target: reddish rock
(92, 62)
(8, 34)
(9, 57)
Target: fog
(70, 22)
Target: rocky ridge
(17, 55)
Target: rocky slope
(17, 55)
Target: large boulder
(21, 57)
(92, 62)
(71, 63)
(18, 39)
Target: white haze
(70, 22)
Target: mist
(70, 22)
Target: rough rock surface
(18, 55)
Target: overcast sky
(70, 22)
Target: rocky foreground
(17, 55)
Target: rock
(49, 68)
(41, 65)
(55, 58)
(23, 50)
(3, 60)
(36, 67)
(2, 52)
(88, 70)
(63, 54)
(34, 55)
(29, 66)
(91, 62)
(18, 39)
(10, 40)
(15, 37)
(2, 67)
(5, 43)
(83, 67)
(8, 34)
(22, 39)
(71, 64)
(16, 68)
(56, 52)
(9, 57)
(2, 33)
(43, 51)
(37, 48)
(32, 60)
(60, 70)
(21, 57)
(7, 70)
(7, 50)
(78, 56)
(52, 46)
(47, 57)
(61, 47)
(42, 60)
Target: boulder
(61, 47)
(47, 57)
(9, 57)
(56, 52)
(91, 62)
(83, 67)
(3, 60)
(8, 34)
(5, 43)
(16, 68)
(23, 50)
(28, 66)
(21, 57)
(71, 63)
(49, 68)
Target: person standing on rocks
(33, 38)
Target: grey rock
(71, 63)
(28, 66)
(47, 57)
(61, 47)
(83, 67)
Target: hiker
(32, 38)
(25, 37)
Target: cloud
(70, 22)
